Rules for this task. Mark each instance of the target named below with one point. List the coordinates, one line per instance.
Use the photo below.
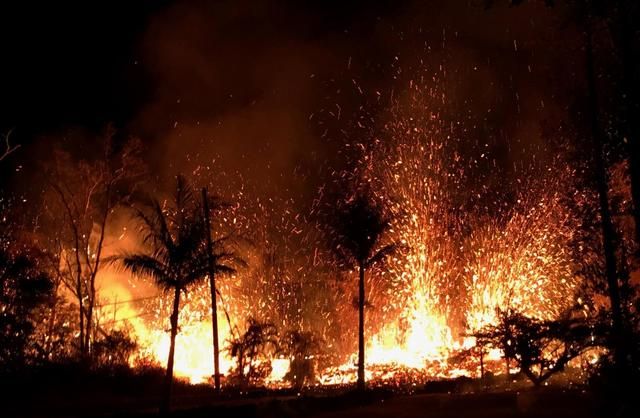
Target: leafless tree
(8, 147)
(81, 197)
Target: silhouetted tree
(175, 257)
(623, 26)
(114, 349)
(602, 186)
(300, 347)
(50, 321)
(252, 351)
(82, 196)
(24, 286)
(359, 226)
(539, 348)
(617, 16)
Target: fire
(279, 368)
(194, 345)
(428, 339)
(460, 264)
(194, 350)
(523, 263)
(526, 268)
(466, 251)
(439, 292)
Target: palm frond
(145, 265)
(358, 227)
(382, 254)
(216, 203)
(176, 239)
(224, 240)
(229, 259)
(161, 226)
(222, 269)
(184, 193)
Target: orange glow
(463, 256)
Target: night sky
(250, 80)
(470, 162)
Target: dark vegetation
(53, 348)
(539, 349)
(359, 229)
(251, 350)
(301, 347)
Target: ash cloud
(243, 86)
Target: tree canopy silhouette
(539, 348)
(358, 229)
(175, 254)
(24, 286)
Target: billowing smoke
(272, 104)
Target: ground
(200, 402)
(538, 404)
(525, 404)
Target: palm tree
(176, 256)
(300, 347)
(359, 227)
(252, 350)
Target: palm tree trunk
(241, 365)
(214, 302)
(608, 232)
(216, 342)
(361, 383)
(168, 380)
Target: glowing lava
(465, 253)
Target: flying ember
(458, 264)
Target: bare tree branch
(8, 148)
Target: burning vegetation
(417, 254)
(445, 259)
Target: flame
(193, 359)
(465, 253)
(194, 349)
(279, 368)
(460, 265)
(520, 263)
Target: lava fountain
(468, 249)
(464, 258)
